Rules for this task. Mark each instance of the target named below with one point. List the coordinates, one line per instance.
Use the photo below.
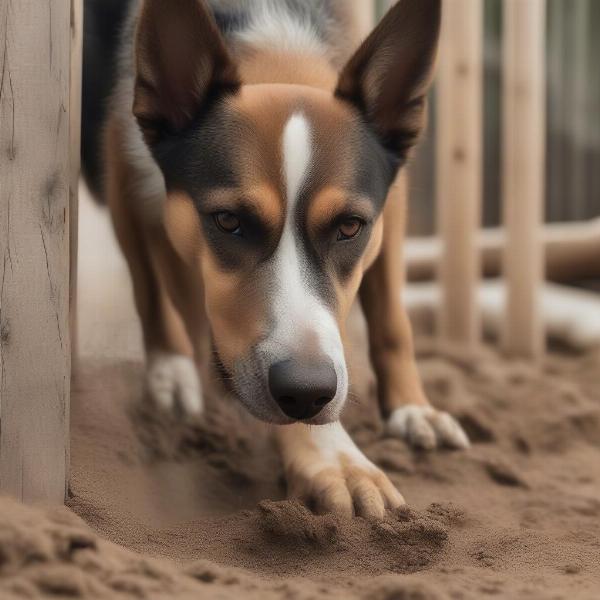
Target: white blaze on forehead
(299, 313)
(292, 293)
(297, 152)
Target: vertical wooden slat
(34, 248)
(523, 172)
(556, 86)
(581, 122)
(75, 153)
(364, 13)
(459, 166)
(594, 113)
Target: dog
(252, 155)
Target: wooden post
(459, 166)
(34, 249)
(523, 173)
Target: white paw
(427, 428)
(172, 379)
(326, 469)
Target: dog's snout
(302, 389)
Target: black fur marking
(256, 244)
(376, 167)
(202, 156)
(230, 21)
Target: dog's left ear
(181, 62)
(388, 77)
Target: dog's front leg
(401, 397)
(324, 468)
(172, 379)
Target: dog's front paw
(327, 471)
(422, 426)
(172, 380)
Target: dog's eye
(228, 222)
(350, 228)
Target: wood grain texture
(523, 173)
(459, 166)
(34, 248)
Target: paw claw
(392, 497)
(368, 499)
(328, 470)
(424, 427)
(450, 432)
(336, 500)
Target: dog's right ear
(181, 63)
(388, 77)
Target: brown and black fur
(191, 130)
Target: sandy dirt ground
(162, 508)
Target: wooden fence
(39, 135)
(572, 121)
(458, 158)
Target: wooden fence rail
(523, 173)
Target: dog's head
(275, 192)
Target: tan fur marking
(183, 226)
(235, 310)
(390, 338)
(375, 243)
(262, 198)
(330, 202)
(346, 292)
(268, 107)
(274, 66)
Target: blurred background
(573, 119)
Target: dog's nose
(302, 389)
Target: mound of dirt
(54, 554)
(164, 508)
